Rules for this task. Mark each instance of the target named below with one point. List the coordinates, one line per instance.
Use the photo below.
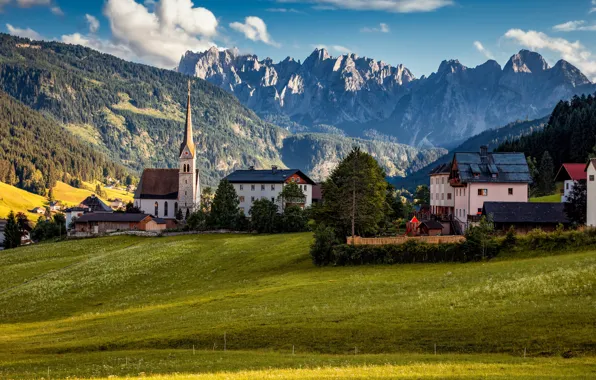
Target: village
(494, 186)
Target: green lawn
(81, 307)
(554, 198)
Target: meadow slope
(153, 299)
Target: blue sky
(418, 33)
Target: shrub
(321, 250)
(294, 219)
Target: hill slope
(140, 293)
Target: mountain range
(133, 115)
(357, 94)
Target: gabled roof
(112, 217)
(593, 162)
(95, 204)
(266, 176)
(494, 167)
(441, 169)
(431, 225)
(526, 212)
(574, 172)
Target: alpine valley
(361, 96)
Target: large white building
(590, 170)
(253, 184)
(162, 192)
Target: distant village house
(569, 175)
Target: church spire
(188, 140)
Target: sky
(416, 33)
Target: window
(464, 192)
(175, 208)
(443, 181)
(442, 197)
(252, 187)
(567, 185)
(241, 198)
(448, 196)
(510, 191)
(272, 199)
(272, 187)
(479, 211)
(483, 192)
(262, 187)
(592, 178)
(241, 187)
(165, 209)
(186, 181)
(156, 209)
(252, 199)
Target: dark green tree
(576, 205)
(12, 233)
(294, 219)
(291, 194)
(224, 209)
(422, 195)
(355, 195)
(263, 216)
(534, 173)
(197, 221)
(546, 180)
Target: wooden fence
(403, 239)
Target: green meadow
(169, 307)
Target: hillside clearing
(94, 299)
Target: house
(442, 201)
(54, 206)
(101, 223)
(39, 210)
(74, 213)
(253, 184)
(117, 204)
(162, 192)
(430, 228)
(570, 174)
(481, 177)
(25, 234)
(526, 216)
(94, 204)
(590, 170)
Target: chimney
(251, 167)
(274, 168)
(483, 153)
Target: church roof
(188, 140)
(159, 184)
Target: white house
(253, 184)
(590, 170)
(162, 192)
(74, 213)
(442, 201)
(570, 174)
(487, 177)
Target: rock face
(357, 94)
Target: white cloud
(572, 26)
(104, 46)
(254, 29)
(159, 37)
(93, 23)
(26, 33)
(573, 52)
(593, 9)
(283, 10)
(336, 48)
(478, 45)
(57, 11)
(54, 8)
(30, 3)
(395, 6)
(382, 28)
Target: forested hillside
(35, 152)
(569, 136)
(133, 112)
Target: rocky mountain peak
(526, 62)
(451, 66)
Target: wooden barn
(524, 216)
(101, 223)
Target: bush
(294, 219)
(197, 221)
(263, 216)
(321, 250)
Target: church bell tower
(188, 178)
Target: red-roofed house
(569, 174)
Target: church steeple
(188, 140)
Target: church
(162, 192)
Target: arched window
(156, 208)
(165, 209)
(176, 209)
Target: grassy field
(13, 198)
(128, 305)
(554, 198)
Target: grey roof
(72, 209)
(526, 212)
(265, 176)
(159, 220)
(507, 167)
(441, 169)
(3, 224)
(95, 204)
(112, 217)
